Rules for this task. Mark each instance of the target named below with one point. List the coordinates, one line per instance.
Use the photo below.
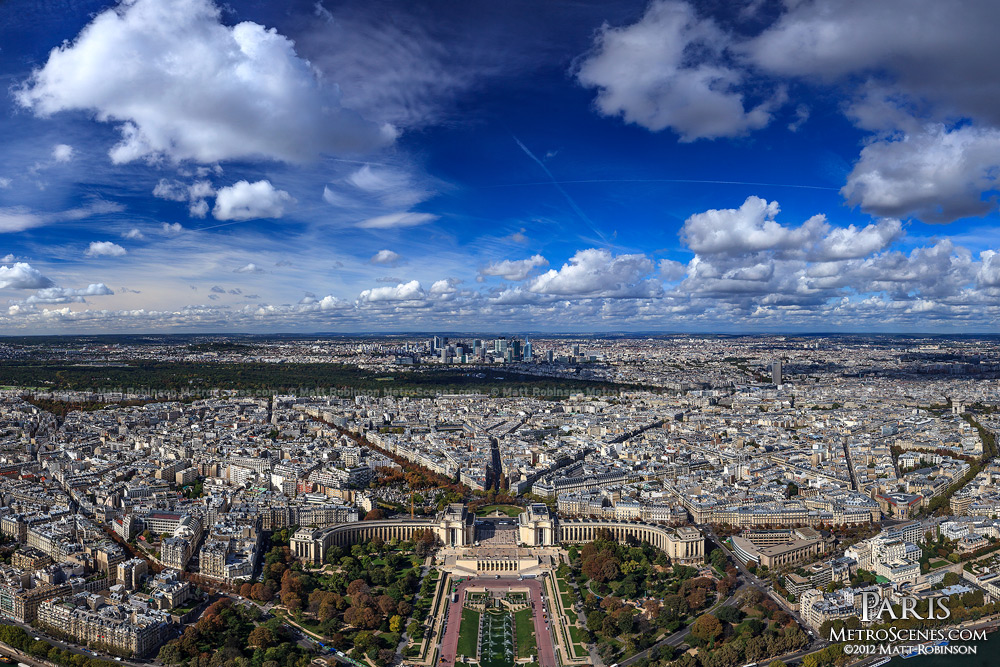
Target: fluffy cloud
(172, 190)
(402, 292)
(247, 268)
(62, 152)
(54, 295)
(247, 201)
(446, 286)
(105, 249)
(515, 269)
(194, 194)
(134, 234)
(852, 242)
(749, 228)
(942, 58)
(596, 273)
(671, 270)
(184, 86)
(909, 80)
(330, 302)
(22, 276)
(925, 88)
(750, 265)
(386, 258)
(989, 271)
(394, 220)
(669, 70)
(935, 174)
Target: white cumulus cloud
(935, 174)
(105, 249)
(22, 276)
(401, 292)
(749, 228)
(184, 86)
(595, 273)
(247, 201)
(386, 258)
(62, 152)
(52, 295)
(246, 268)
(518, 269)
(669, 70)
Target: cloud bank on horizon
(184, 165)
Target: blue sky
(181, 165)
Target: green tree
(730, 615)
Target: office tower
(776, 371)
(550, 356)
(576, 349)
(515, 350)
(527, 350)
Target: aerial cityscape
(471, 500)
(456, 333)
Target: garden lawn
(468, 633)
(524, 628)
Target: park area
(498, 632)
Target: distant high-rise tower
(576, 349)
(776, 371)
(527, 350)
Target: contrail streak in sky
(653, 180)
(559, 187)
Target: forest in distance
(183, 376)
